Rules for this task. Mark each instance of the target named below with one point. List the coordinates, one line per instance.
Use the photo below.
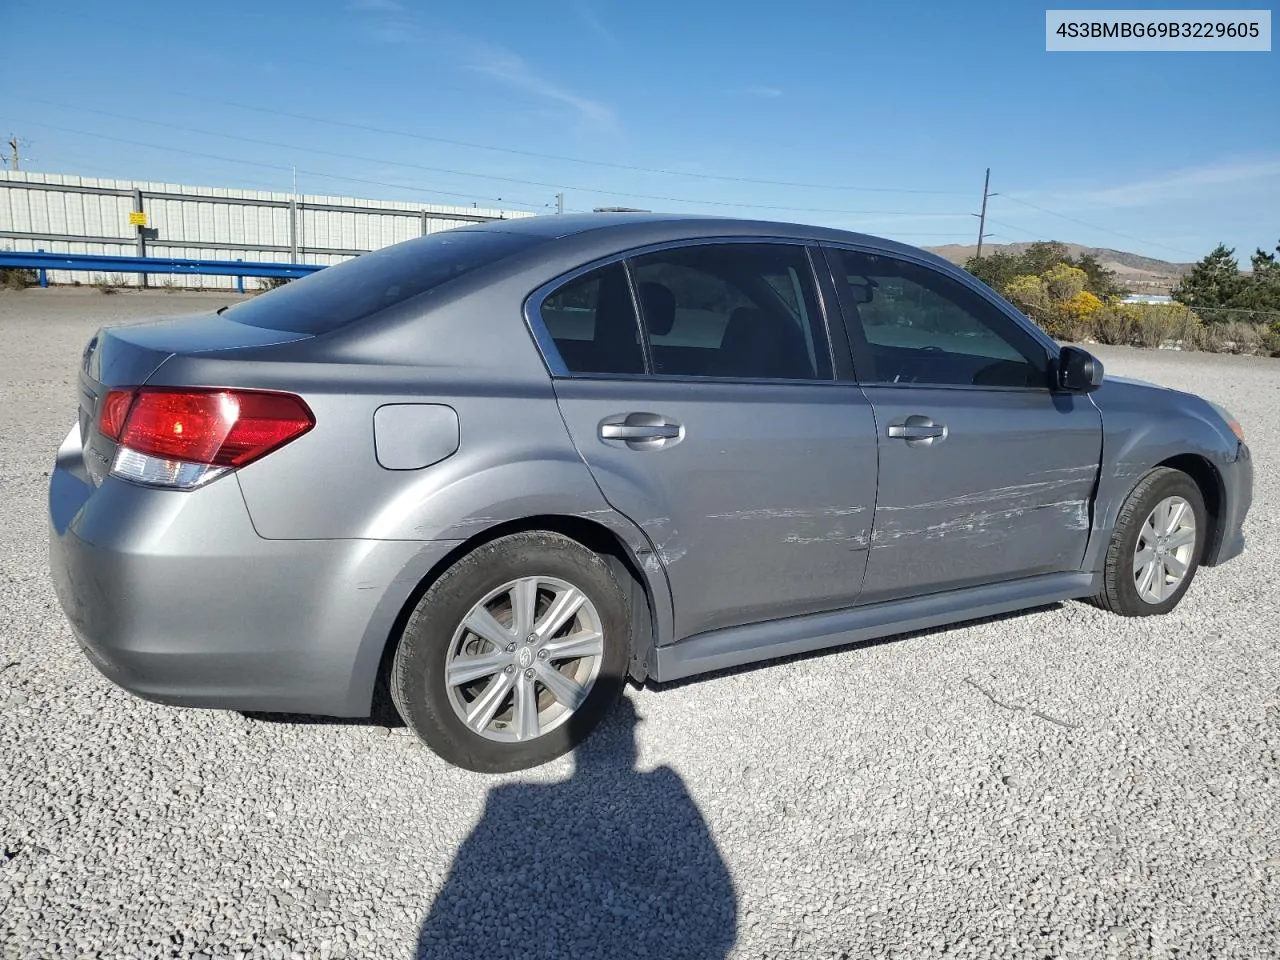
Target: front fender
(1144, 426)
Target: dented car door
(1004, 494)
(986, 474)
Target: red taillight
(114, 410)
(224, 428)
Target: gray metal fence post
(142, 233)
(293, 228)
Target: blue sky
(878, 117)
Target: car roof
(620, 230)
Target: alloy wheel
(524, 659)
(1162, 556)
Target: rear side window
(593, 322)
(354, 289)
(734, 310)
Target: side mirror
(1077, 371)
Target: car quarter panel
(514, 461)
(174, 596)
(1145, 425)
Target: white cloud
(768, 93)
(595, 24)
(510, 68)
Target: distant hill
(1140, 273)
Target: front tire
(514, 654)
(1156, 546)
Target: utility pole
(13, 146)
(982, 217)
(559, 203)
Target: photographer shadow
(611, 863)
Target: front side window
(592, 320)
(922, 326)
(734, 310)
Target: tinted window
(732, 310)
(357, 288)
(925, 327)
(592, 320)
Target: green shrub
(1195, 338)
(1211, 339)
(1072, 328)
(1241, 337)
(1114, 324)
(1153, 328)
(1271, 340)
(1155, 324)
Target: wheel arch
(644, 596)
(1212, 491)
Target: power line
(557, 157)
(1014, 227)
(1094, 226)
(281, 167)
(494, 177)
(922, 233)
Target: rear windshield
(354, 289)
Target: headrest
(659, 306)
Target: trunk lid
(127, 356)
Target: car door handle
(641, 431)
(631, 431)
(918, 431)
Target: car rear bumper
(174, 597)
(1237, 483)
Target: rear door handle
(641, 431)
(918, 430)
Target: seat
(755, 345)
(658, 305)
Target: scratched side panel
(761, 510)
(1006, 495)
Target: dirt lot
(898, 799)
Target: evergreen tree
(1261, 289)
(1101, 282)
(1213, 282)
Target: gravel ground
(900, 799)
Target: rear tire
(477, 697)
(1148, 567)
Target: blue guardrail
(43, 262)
